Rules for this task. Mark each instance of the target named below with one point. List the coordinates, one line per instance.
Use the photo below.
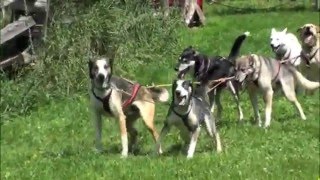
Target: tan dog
(262, 73)
(310, 39)
(122, 99)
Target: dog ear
(284, 31)
(196, 53)
(251, 60)
(190, 84)
(273, 31)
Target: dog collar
(104, 100)
(313, 55)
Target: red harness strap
(135, 90)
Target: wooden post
(45, 27)
(192, 7)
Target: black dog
(205, 69)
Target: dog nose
(100, 77)
(178, 93)
(176, 68)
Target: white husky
(286, 46)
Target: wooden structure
(193, 14)
(24, 21)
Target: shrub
(142, 44)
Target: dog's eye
(105, 67)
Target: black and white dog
(188, 112)
(204, 69)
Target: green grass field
(56, 140)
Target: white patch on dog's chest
(193, 120)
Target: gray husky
(188, 112)
(263, 73)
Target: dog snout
(100, 77)
(178, 92)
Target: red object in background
(170, 2)
(199, 2)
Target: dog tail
(310, 85)
(236, 46)
(159, 94)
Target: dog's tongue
(308, 38)
(180, 75)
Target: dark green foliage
(127, 30)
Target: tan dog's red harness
(134, 93)
(127, 103)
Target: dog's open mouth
(181, 99)
(181, 74)
(275, 48)
(307, 36)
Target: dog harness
(127, 103)
(184, 117)
(104, 101)
(308, 58)
(134, 93)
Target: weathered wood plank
(20, 59)
(16, 28)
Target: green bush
(141, 43)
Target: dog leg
(164, 131)
(116, 108)
(147, 113)
(193, 142)
(132, 135)
(268, 95)
(212, 131)
(236, 98)
(124, 135)
(212, 96)
(288, 89)
(218, 102)
(254, 101)
(98, 127)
